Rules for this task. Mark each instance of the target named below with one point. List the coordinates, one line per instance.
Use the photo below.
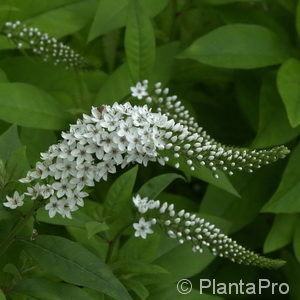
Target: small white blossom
(14, 201)
(142, 228)
(53, 206)
(139, 91)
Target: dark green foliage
(234, 64)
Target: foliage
(235, 66)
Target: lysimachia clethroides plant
(160, 130)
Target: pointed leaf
(9, 142)
(95, 227)
(74, 264)
(286, 199)
(41, 288)
(119, 194)
(111, 15)
(139, 42)
(29, 106)
(288, 82)
(281, 233)
(239, 46)
(153, 187)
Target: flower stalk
(186, 227)
(49, 48)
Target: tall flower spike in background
(197, 147)
(49, 48)
(189, 228)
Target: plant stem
(19, 226)
(114, 240)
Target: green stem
(114, 240)
(19, 226)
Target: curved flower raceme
(111, 136)
(123, 134)
(186, 227)
(197, 147)
(49, 48)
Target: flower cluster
(49, 48)
(111, 136)
(197, 148)
(186, 227)
(123, 134)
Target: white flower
(14, 201)
(34, 191)
(107, 142)
(120, 142)
(66, 207)
(141, 203)
(114, 155)
(81, 154)
(109, 122)
(85, 169)
(52, 206)
(124, 127)
(139, 91)
(142, 228)
(78, 197)
(46, 191)
(95, 149)
(64, 188)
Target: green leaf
(62, 84)
(281, 233)
(65, 19)
(17, 165)
(29, 106)
(95, 244)
(138, 288)
(118, 199)
(246, 14)
(153, 187)
(111, 15)
(140, 249)
(204, 174)
(95, 227)
(36, 141)
(13, 270)
(274, 127)
(3, 77)
(79, 218)
(296, 242)
(2, 296)
(41, 288)
(288, 83)
(115, 87)
(9, 142)
(238, 46)
(139, 42)
(164, 62)
(254, 192)
(171, 260)
(137, 267)
(286, 199)
(74, 264)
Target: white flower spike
(187, 228)
(122, 134)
